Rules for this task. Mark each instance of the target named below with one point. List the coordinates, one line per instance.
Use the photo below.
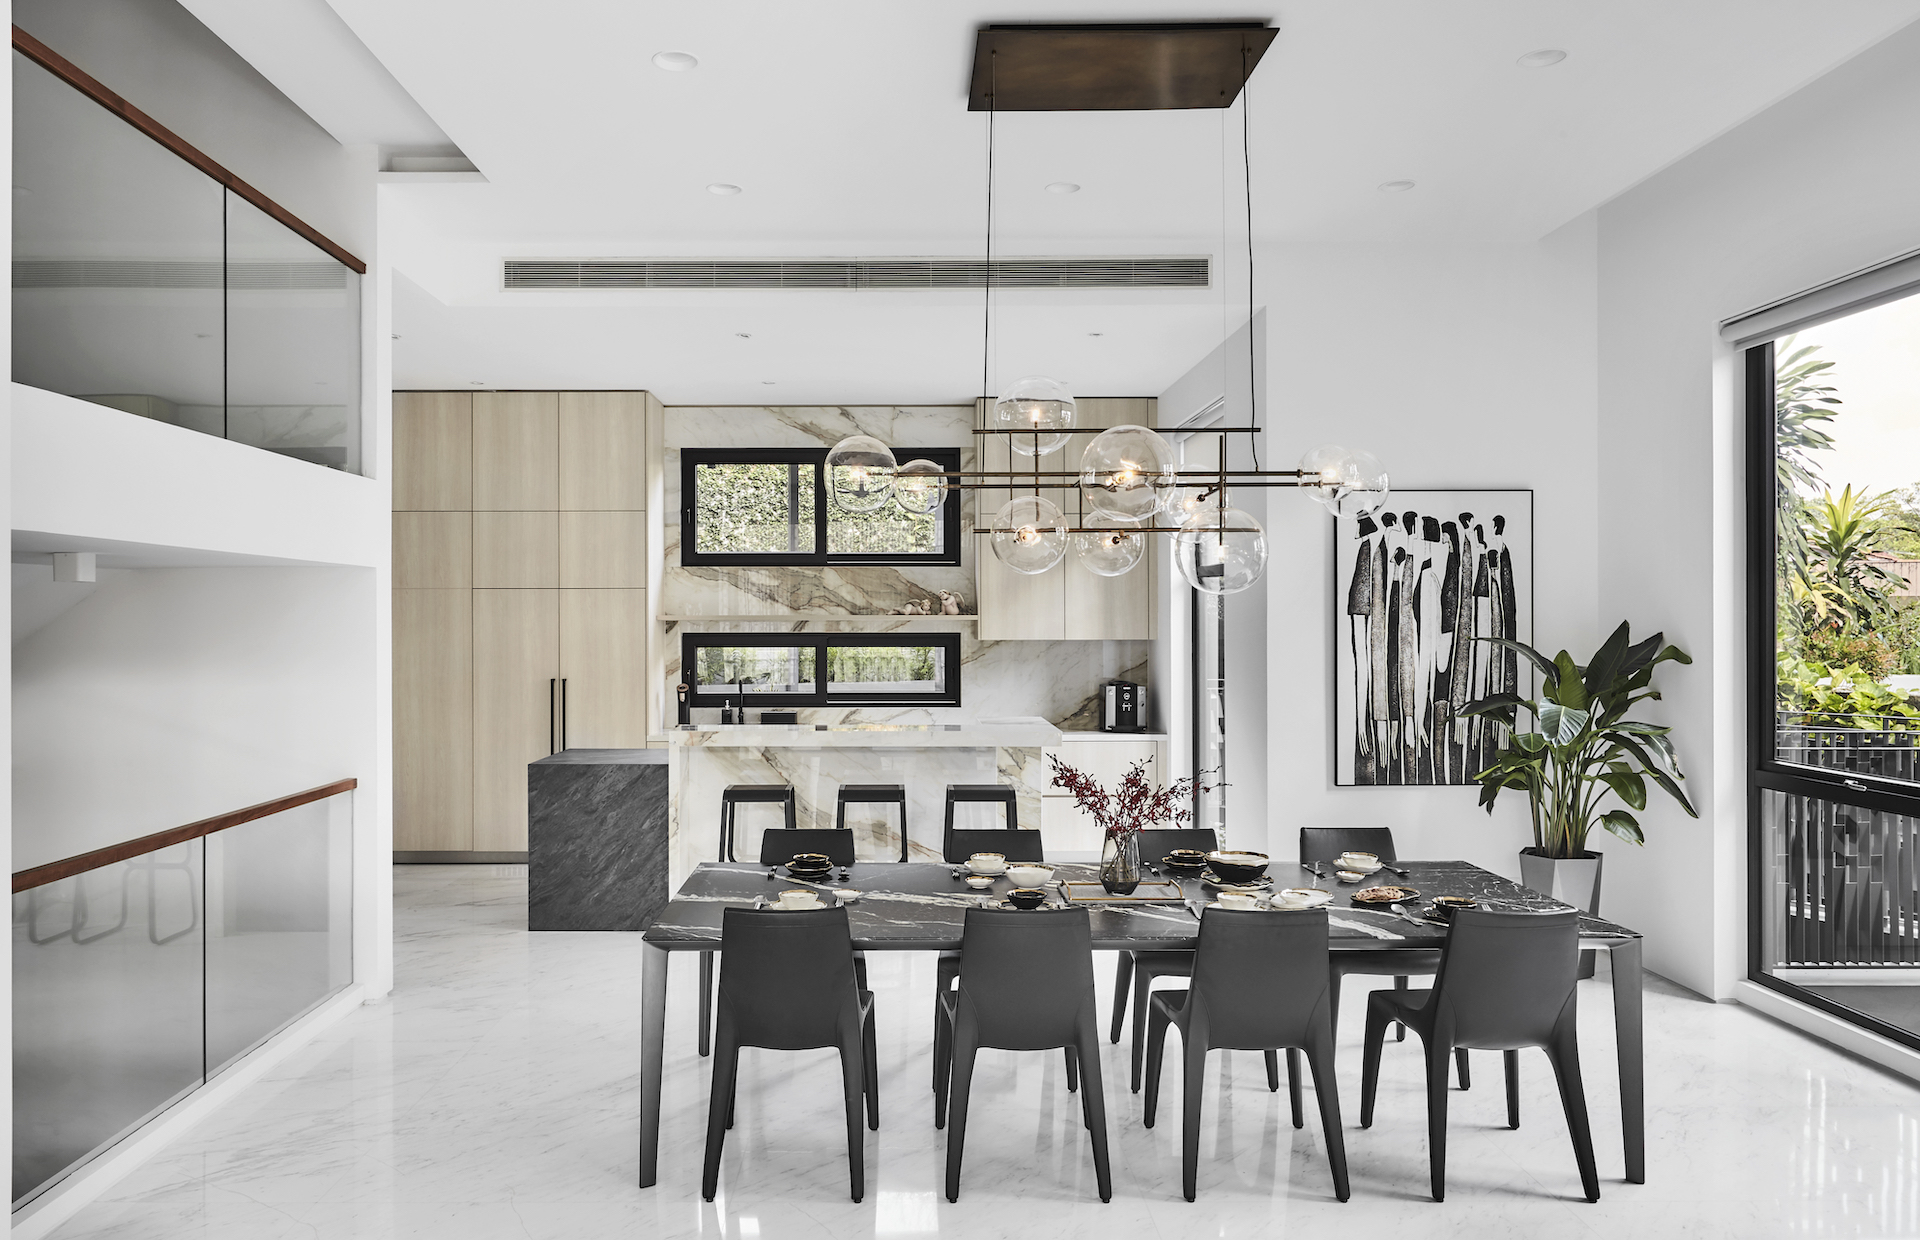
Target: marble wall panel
(1059, 681)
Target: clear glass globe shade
(1110, 550)
(1184, 503)
(919, 487)
(1127, 473)
(860, 472)
(1325, 465)
(1220, 552)
(1029, 534)
(1363, 487)
(1038, 404)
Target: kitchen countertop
(1027, 730)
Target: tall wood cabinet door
(1119, 608)
(432, 720)
(603, 451)
(516, 550)
(432, 550)
(516, 451)
(432, 451)
(603, 659)
(516, 659)
(603, 550)
(1012, 606)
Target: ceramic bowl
(846, 895)
(979, 882)
(1238, 867)
(987, 863)
(1301, 898)
(1237, 900)
(1027, 897)
(1348, 876)
(1027, 874)
(1444, 907)
(800, 898)
(1188, 859)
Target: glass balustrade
(136, 981)
(142, 284)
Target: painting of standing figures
(1414, 585)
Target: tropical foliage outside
(766, 508)
(1842, 627)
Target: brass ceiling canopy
(1119, 67)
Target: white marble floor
(494, 1096)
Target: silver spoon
(1402, 910)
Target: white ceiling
(845, 122)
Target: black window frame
(948, 642)
(692, 458)
(1765, 771)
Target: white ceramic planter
(1570, 880)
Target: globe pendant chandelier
(1129, 484)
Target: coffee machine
(1123, 707)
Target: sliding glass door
(1834, 604)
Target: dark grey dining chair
(1506, 981)
(1026, 984)
(787, 983)
(1324, 845)
(1014, 845)
(1260, 983)
(1136, 970)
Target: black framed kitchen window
(821, 669)
(770, 506)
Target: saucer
(1358, 869)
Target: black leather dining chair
(1259, 984)
(1324, 845)
(787, 983)
(1026, 984)
(1506, 981)
(1017, 845)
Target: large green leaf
(1529, 742)
(1624, 825)
(1560, 724)
(1569, 690)
(1541, 662)
(1630, 787)
(1499, 705)
(1604, 668)
(1676, 654)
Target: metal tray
(1148, 892)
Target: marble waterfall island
(818, 758)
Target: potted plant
(1123, 813)
(1578, 748)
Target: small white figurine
(929, 608)
(949, 604)
(909, 609)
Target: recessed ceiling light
(675, 62)
(1096, 333)
(396, 335)
(744, 335)
(723, 189)
(1063, 187)
(1542, 58)
(767, 382)
(1396, 187)
(477, 382)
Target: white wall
(1464, 366)
(170, 695)
(1819, 185)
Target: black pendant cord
(1246, 162)
(986, 301)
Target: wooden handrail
(90, 86)
(40, 875)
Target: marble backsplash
(1059, 681)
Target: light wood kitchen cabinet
(433, 720)
(516, 451)
(603, 662)
(516, 550)
(520, 560)
(602, 450)
(432, 550)
(432, 451)
(1065, 603)
(603, 550)
(516, 660)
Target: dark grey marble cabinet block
(597, 839)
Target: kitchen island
(818, 758)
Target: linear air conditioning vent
(174, 273)
(855, 273)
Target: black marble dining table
(921, 906)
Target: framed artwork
(1416, 586)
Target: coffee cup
(987, 863)
(1358, 861)
(1027, 897)
(1238, 900)
(799, 898)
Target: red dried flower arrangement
(1135, 804)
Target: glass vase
(1120, 863)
